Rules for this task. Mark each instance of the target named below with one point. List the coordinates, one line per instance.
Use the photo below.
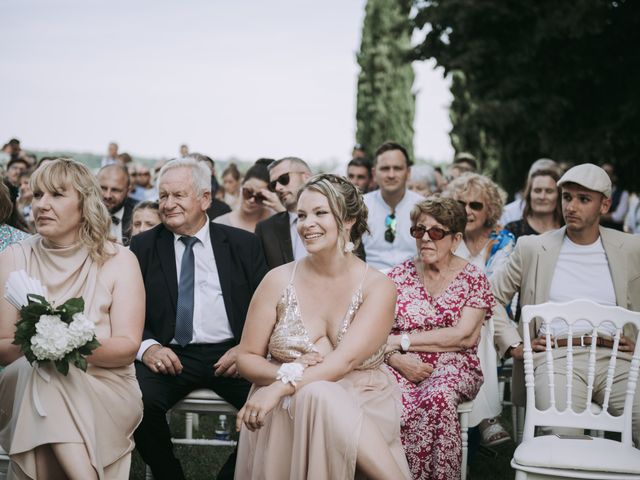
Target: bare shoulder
(123, 262)
(377, 283)
(276, 280)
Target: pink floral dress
(430, 428)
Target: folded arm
(462, 336)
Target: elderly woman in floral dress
(442, 303)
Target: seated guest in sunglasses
(389, 242)
(280, 240)
(443, 300)
(255, 198)
(487, 246)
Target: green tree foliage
(386, 103)
(544, 78)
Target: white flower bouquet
(62, 335)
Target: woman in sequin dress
(342, 416)
(442, 303)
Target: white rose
(52, 340)
(81, 330)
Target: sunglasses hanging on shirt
(390, 223)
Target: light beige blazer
(530, 269)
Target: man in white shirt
(112, 155)
(581, 260)
(114, 182)
(390, 242)
(199, 279)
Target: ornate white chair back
(600, 318)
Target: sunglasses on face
(475, 206)
(283, 180)
(390, 232)
(435, 233)
(248, 194)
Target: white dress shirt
(296, 242)
(381, 254)
(116, 230)
(210, 321)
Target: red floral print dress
(430, 428)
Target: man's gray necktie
(184, 314)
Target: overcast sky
(229, 78)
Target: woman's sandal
(493, 433)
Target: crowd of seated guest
(241, 286)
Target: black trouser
(161, 392)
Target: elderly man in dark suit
(278, 233)
(199, 279)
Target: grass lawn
(203, 463)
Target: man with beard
(114, 182)
(578, 261)
(280, 240)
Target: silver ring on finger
(158, 364)
(254, 414)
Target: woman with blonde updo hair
(313, 346)
(487, 246)
(82, 431)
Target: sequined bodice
(290, 338)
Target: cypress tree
(386, 103)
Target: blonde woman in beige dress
(325, 318)
(77, 426)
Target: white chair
(4, 464)
(464, 409)
(198, 401)
(202, 401)
(552, 456)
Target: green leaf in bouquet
(62, 366)
(89, 347)
(34, 311)
(35, 299)
(72, 306)
(81, 363)
(25, 329)
(29, 355)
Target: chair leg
(514, 423)
(196, 421)
(520, 415)
(464, 436)
(520, 475)
(189, 425)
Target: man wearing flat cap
(580, 260)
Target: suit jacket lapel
(617, 266)
(167, 254)
(284, 232)
(222, 256)
(547, 259)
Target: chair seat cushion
(202, 394)
(597, 454)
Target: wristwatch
(511, 347)
(405, 343)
